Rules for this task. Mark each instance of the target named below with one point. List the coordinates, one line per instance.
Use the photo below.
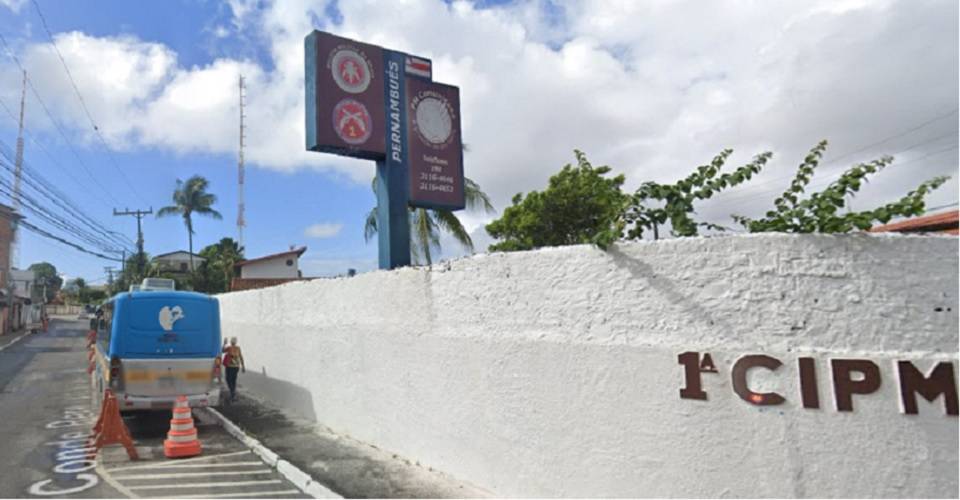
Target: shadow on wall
(280, 393)
(662, 283)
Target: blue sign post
(393, 221)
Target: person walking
(233, 360)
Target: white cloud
(651, 88)
(14, 5)
(323, 230)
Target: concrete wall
(556, 372)
(271, 268)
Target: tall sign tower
(369, 102)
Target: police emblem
(350, 69)
(433, 119)
(352, 121)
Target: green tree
(129, 275)
(580, 205)
(216, 272)
(46, 275)
(426, 224)
(191, 197)
(820, 211)
(654, 204)
(75, 290)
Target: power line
(34, 207)
(53, 120)
(948, 205)
(54, 237)
(44, 188)
(722, 200)
(83, 104)
(47, 152)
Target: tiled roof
(945, 222)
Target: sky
(652, 89)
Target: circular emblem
(352, 121)
(350, 70)
(433, 119)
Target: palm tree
(426, 224)
(189, 198)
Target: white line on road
(14, 341)
(195, 474)
(183, 461)
(287, 493)
(167, 465)
(205, 485)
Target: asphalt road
(45, 417)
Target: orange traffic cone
(110, 428)
(182, 439)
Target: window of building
(289, 262)
(183, 267)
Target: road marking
(14, 341)
(183, 461)
(195, 474)
(102, 472)
(205, 485)
(287, 493)
(189, 466)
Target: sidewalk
(348, 467)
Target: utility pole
(109, 270)
(241, 220)
(139, 215)
(18, 173)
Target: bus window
(105, 324)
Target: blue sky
(652, 89)
(280, 205)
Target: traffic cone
(182, 439)
(110, 428)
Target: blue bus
(154, 345)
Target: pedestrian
(233, 360)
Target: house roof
(295, 251)
(945, 222)
(168, 254)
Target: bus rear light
(115, 366)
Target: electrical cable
(53, 120)
(83, 104)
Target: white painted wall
(272, 268)
(555, 372)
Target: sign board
(365, 101)
(344, 91)
(435, 150)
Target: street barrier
(110, 428)
(182, 439)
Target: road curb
(14, 341)
(290, 472)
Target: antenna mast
(18, 174)
(241, 220)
